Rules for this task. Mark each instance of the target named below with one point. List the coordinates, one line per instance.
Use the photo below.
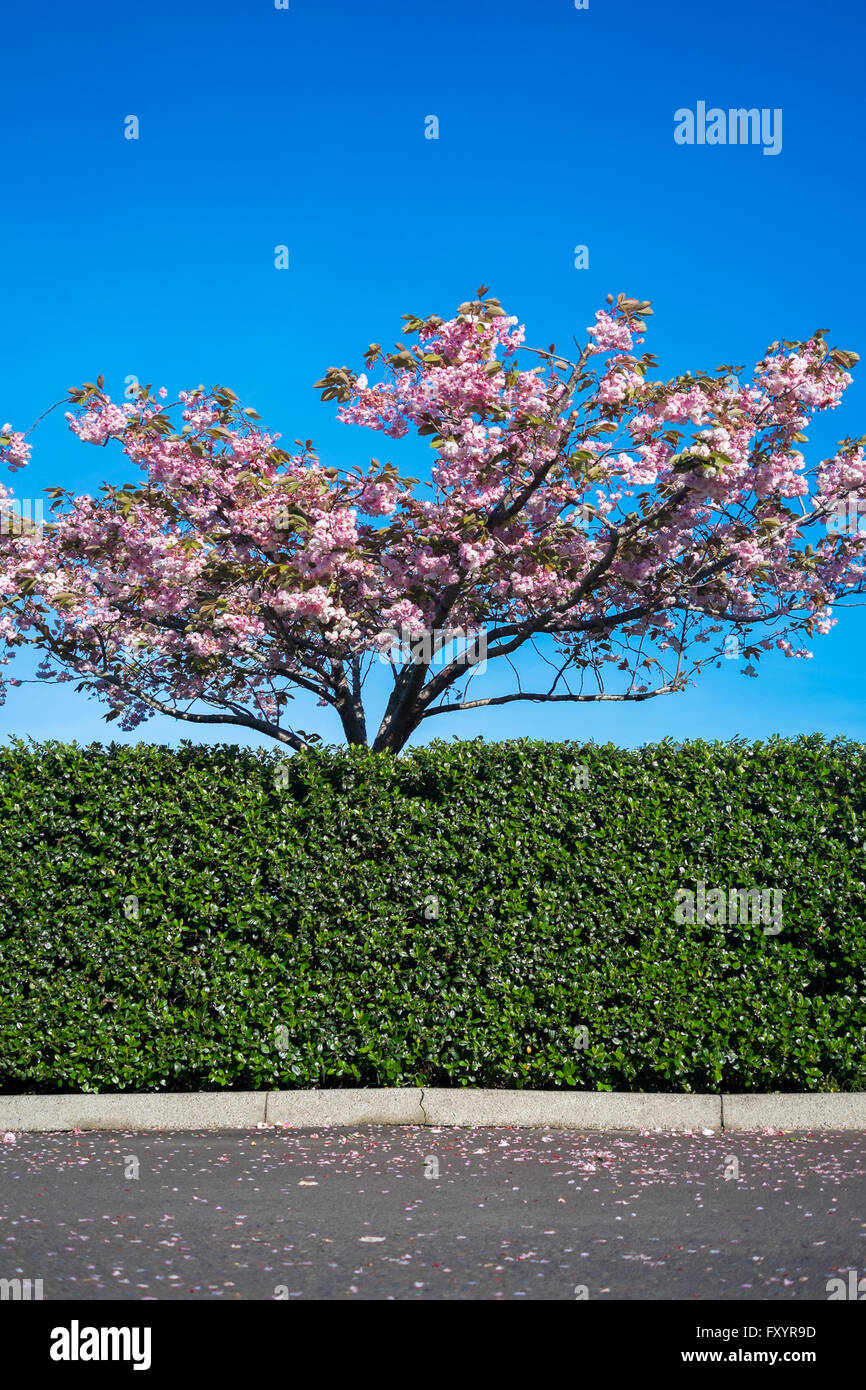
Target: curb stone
(458, 1106)
(129, 1110)
(400, 1105)
(843, 1110)
(572, 1109)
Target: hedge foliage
(457, 915)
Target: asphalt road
(410, 1213)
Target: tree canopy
(623, 526)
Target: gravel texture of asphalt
(405, 1212)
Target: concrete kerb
(307, 1109)
(843, 1110)
(460, 1107)
(128, 1110)
(572, 1109)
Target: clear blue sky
(261, 126)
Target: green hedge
(454, 916)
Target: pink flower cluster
(16, 451)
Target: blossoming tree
(626, 527)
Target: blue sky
(305, 127)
